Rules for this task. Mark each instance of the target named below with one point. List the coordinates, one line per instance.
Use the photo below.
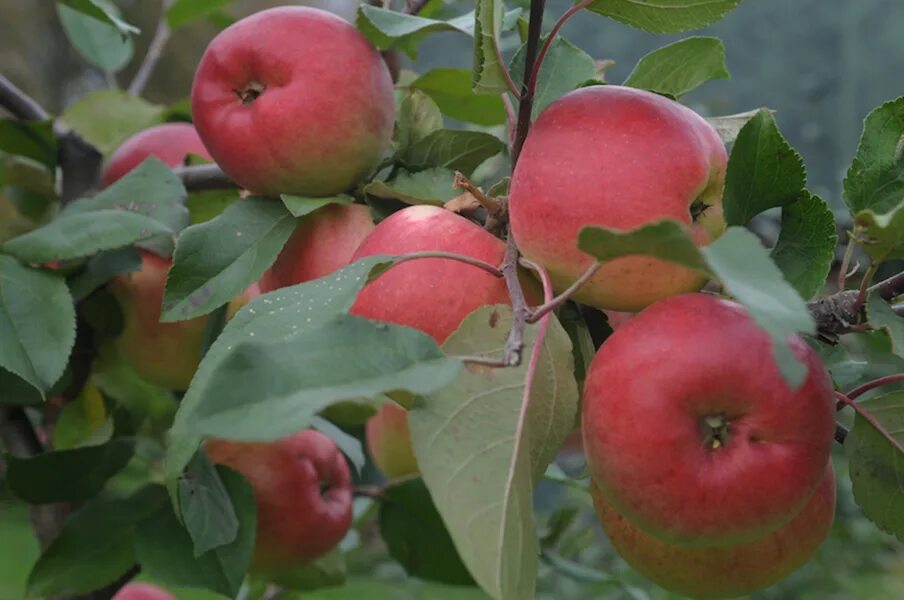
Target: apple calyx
(698, 207)
(716, 431)
(250, 92)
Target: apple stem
(864, 286)
(547, 307)
(550, 38)
(869, 418)
(152, 56)
(474, 262)
(493, 206)
(843, 269)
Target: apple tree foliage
(122, 455)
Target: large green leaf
(100, 43)
(481, 447)
(107, 117)
(680, 67)
(805, 249)
(31, 139)
(764, 171)
(665, 16)
(418, 117)
(301, 206)
(565, 68)
(186, 12)
(882, 316)
(215, 261)
(489, 68)
(205, 507)
(877, 464)
(453, 149)
(67, 475)
(431, 186)
(875, 180)
(37, 324)
(451, 90)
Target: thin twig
(838, 314)
(493, 206)
(875, 383)
(562, 298)
(550, 38)
(483, 361)
(526, 106)
(871, 420)
(474, 262)
(843, 270)
(153, 54)
(864, 286)
(204, 177)
(19, 104)
(509, 82)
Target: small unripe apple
(324, 241)
(171, 143)
(294, 100)
(389, 441)
(725, 571)
(691, 431)
(620, 158)
(303, 492)
(142, 591)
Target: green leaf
(80, 424)
(269, 317)
(881, 316)
(101, 10)
(680, 67)
(67, 475)
(107, 117)
(431, 186)
(748, 274)
(215, 261)
(416, 537)
(185, 12)
(327, 571)
(489, 68)
(451, 90)
(165, 551)
(729, 126)
(31, 139)
(100, 43)
(76, 235)
(666, 240)
(764, 171)
(103, 267)
(94, 547)
(418, 117)
(205, 205)
(300, 206)
(665, 16)
(875, 180)
(205, 507)
(481, 457)
(37, 324)
(805, 249)
(453, 149)
(565, 68)
(265, 391)
(881, 235)
(877, 465)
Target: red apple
(620, 158)
(142, 591)
(389, 441)
(691, 431)
(728, 571)
(294, 100)
(324, 241)
(303, 491)
(171, 143)
(430, 294)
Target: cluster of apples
(710, 474)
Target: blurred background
(822, 64)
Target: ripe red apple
(728, 571)
(294, 100)
(430, 294)
(324, 241)
(620, 158)
(303, 491)
(171, 143)
(690, 430)
(142, 591)
(389, 441)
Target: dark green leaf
(215, 261)
(764, 171)
(100, 43)
(665, 16)
(805, 248)
(451, 90)
(67, 475)
(165, 550)
(101, 11)
(431, 186)
(37, 324)
(877, 465)
(376, 589)
(94, 547)
(205, 507)
(453, 149)
(107, 117)
(883, 316)
(31, 139)
(103, 267)
(418, 117)
(300, 206)
(416, 536)
(875, 180)
(680, 67)
(205, 205)
(185, 12)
